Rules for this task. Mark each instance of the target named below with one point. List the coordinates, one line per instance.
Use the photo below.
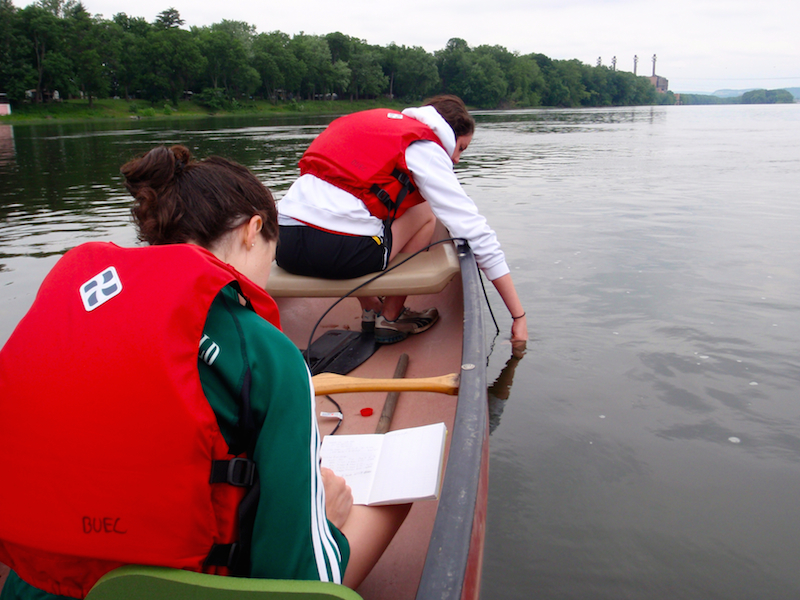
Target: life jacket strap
(386, 199)
(223, 555)
(392, 205)
(239, 471)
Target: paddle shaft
(391, 398)
(330, 383)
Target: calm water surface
(649, 446)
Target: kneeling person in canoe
(372, 185)
(153, 413)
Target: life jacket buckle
(383, 196)
(241, 472)
(238, 471)
(403, 178)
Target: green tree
(767, 97)
(59, 76)
(168, 19)
(486, 85)
(504, 59)
(628, 89)
(91, 50)
(780, 97)
(340, 45)
(221, 51)
(314, 56)
(273, 60)
(227, 48)
(454, 64)
(57, 8)
(595, 82)
(564, 85)
(390, 59)
(17, 72)
(134, 25)
(242, 32)
(44, 35)
(411, 71)
(475, 76)
(340, 77)
(366, 78)
(174, 61)
(526, 84)
(130, 35)
(645, 91)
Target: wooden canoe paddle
(391, 398)
(330, 383)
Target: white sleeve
(433, 174)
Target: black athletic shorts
(304, 250)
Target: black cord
(489, 304)
(496, 326)
(367, 282)
(350, 293)
(378, 276)
(339, 408)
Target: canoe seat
(427, 273)
(160, 583)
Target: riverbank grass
(79, 110)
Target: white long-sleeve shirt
(316, 202)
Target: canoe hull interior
(439, 351)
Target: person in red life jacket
(374, 183)
(152, 412)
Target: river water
(649, 446)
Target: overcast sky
(701, 45)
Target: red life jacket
(106, 437)
(364, 154)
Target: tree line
(56, 48)
(759, 96)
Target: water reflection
(500, 391)
(542, 120)
(651, 447)
(74, 167)
(7, 151)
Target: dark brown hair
(179, 200)
(454, 111)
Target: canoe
(438, 551)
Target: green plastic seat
(160, 583)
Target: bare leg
(370, 529)
(370, 303)
(411, 232)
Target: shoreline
(75, 111)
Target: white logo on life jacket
(100, 289)
(394, 116)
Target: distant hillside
(753, 96)
(795, 91)
(731, 93)
(726, 93)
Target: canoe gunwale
(449, 552)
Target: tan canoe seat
(427, 273)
